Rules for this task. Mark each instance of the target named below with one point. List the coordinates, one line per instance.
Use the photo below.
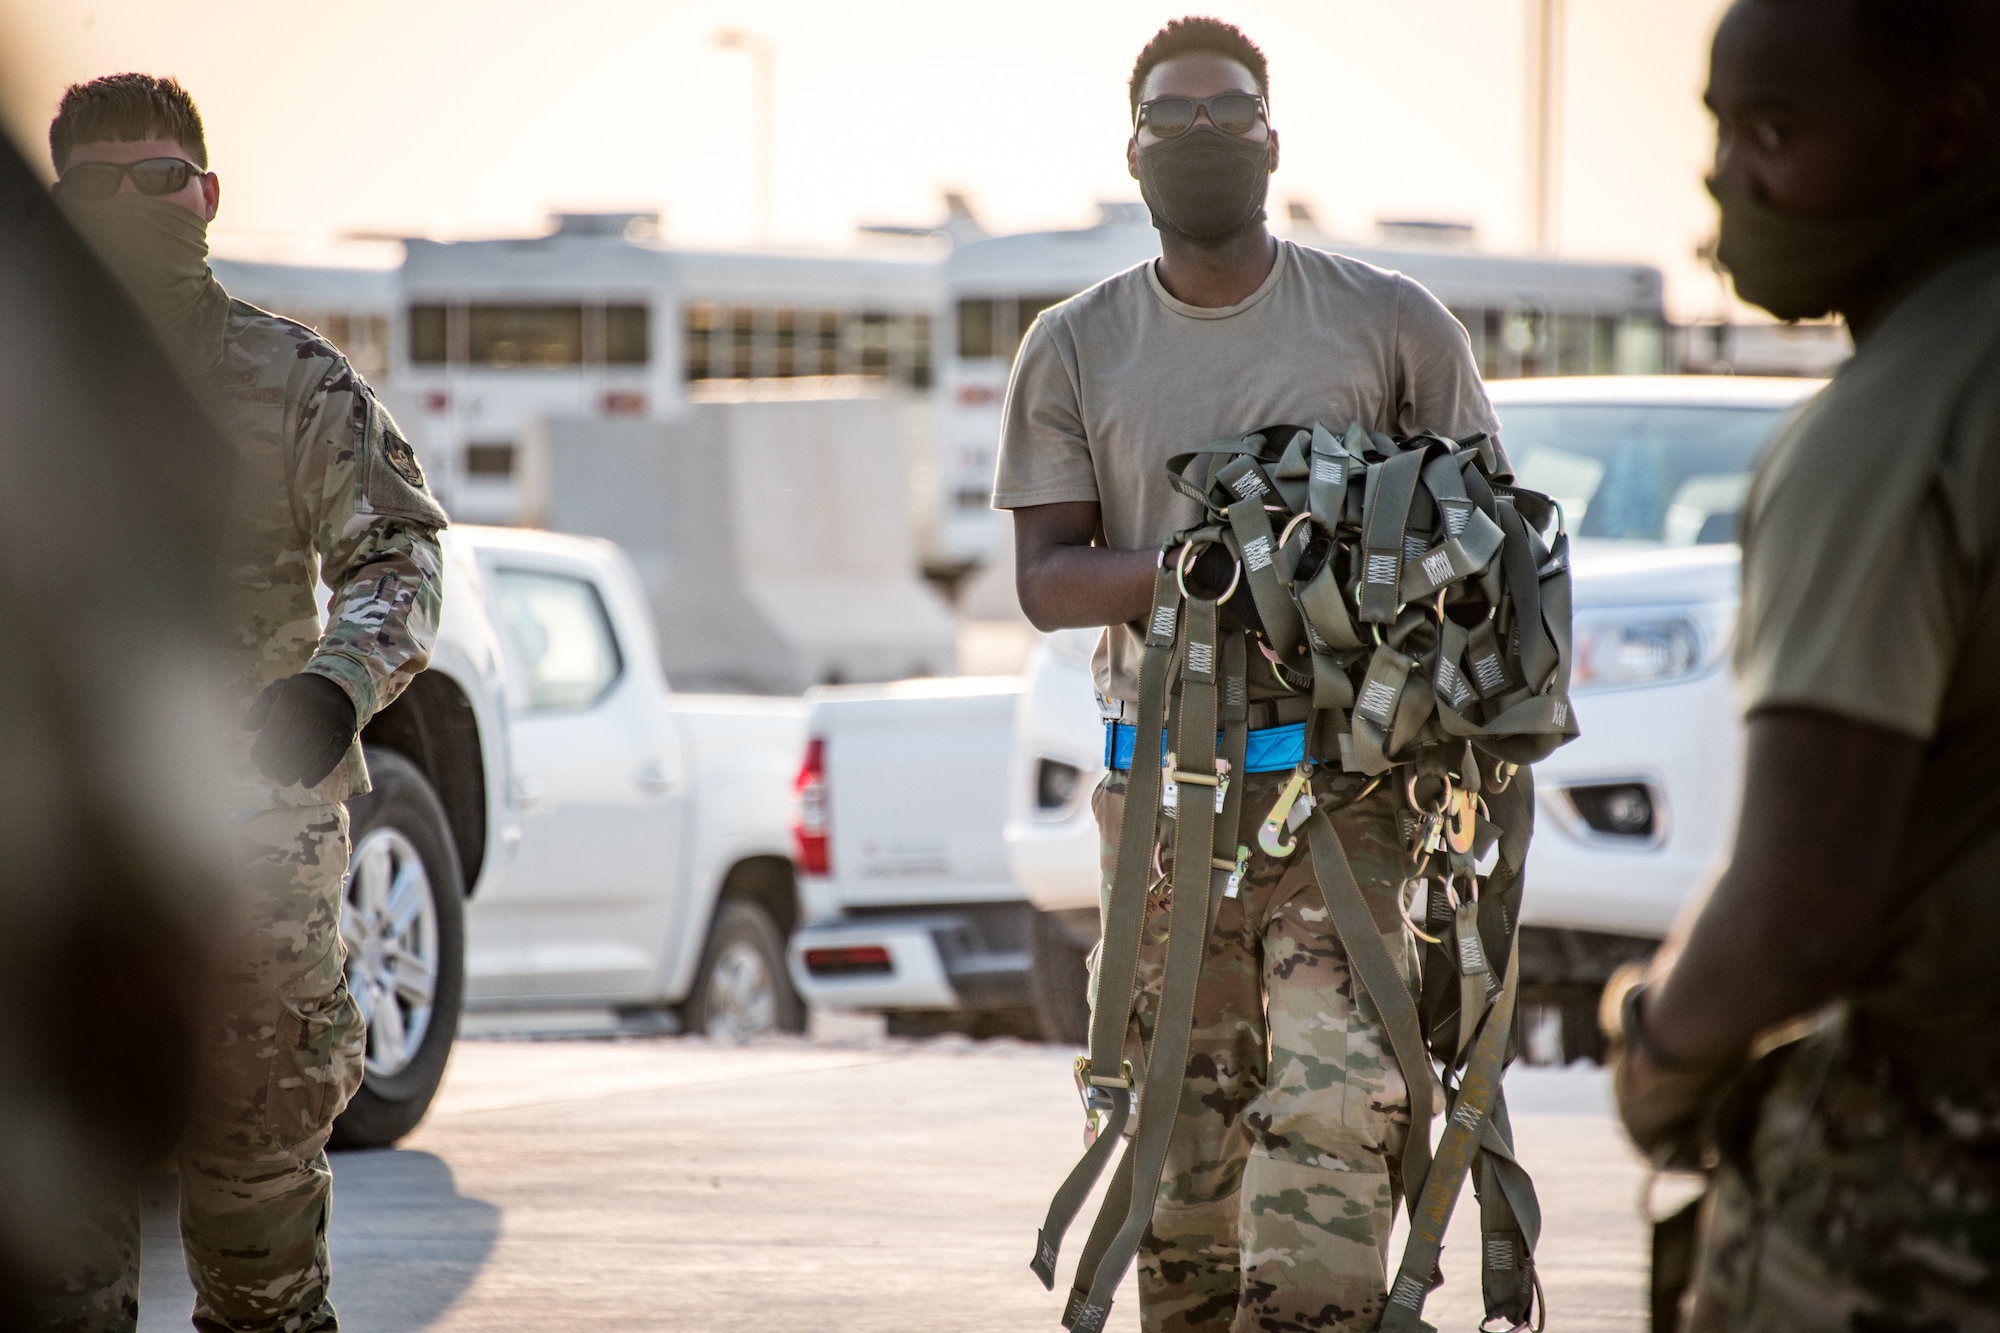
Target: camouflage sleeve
(375, 525)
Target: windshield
(1658, 473)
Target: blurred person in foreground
(326, 489)
(1832, 1016)
(1278, 1199)
(113, 504)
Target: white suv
(1635, 814)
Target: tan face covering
(1801, 268)
(159, 251)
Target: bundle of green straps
(1422, 602)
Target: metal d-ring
(1181, 569)
(1304, 515)
(1444, 795)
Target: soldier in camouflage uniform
(326, 490)
(1827, 1029)
(1278, 1196)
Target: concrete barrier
(774, 537)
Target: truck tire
(742, 989)
(403, 921)
(1059, 979)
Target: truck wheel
(403, 921)
(1059, 979)
(742, 989)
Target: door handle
(655, 778)
(529, 795)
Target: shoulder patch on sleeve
(392, 481)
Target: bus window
(826, 342)
(627, 335)
(526, 335)
(699, 322)
(975, 330)
(427, 335)
(785, 343)
(742, 363)
(917, 366)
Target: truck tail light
(810, 824)
(853, 961)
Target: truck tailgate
(917, 783)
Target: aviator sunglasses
(154, 175)
(1171, 117)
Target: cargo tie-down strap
(1421, 602)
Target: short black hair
(1204, 36)
(124, 108)
(1912, 41)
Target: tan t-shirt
(1871, 589)
(1113, 382)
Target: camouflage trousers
(1849, 1203)
(1280, 1188)
(284, 1057)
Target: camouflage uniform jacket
(327, 490)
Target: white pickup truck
(551, 825)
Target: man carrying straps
(326, 489)
(1858, 170)
(1279, 1195)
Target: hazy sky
(455, 118)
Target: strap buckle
(1271, 835)
(1096, 1094)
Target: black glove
(1210, 573)
(305, 724)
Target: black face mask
(1205, 185)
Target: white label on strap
(1467, 1118)
(1437, 565)
(1561, 711)
(1201, 658)
(1381, 569)
(1257, 553)
(1328, 469)
(1377, 698)
(1487, 670)
(1471, 958)
(1249, 486)
(1409, 1293)
(1457, 513)
(1163, 621)
(1451, 683)
(1413, 546)
(1499, 1251)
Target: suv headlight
(1623, 647)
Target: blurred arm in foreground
(1828, 1035)
(113, 493)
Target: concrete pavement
(850, 1182)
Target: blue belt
(1270, 749)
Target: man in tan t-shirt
(1849, 945)
(1281, 1190)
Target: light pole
(764, 75)
(1545, 88)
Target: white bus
(1526, 317)
(597, 319)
